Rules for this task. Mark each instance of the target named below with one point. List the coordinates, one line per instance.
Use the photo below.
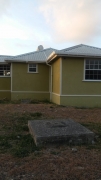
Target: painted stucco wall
(73, 76)
(80, 101)
(30, 85)
(76, 91)
(55, 99)
(56, 76)
(5, 87)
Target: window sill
(32, 72)
(91, 80)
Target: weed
(4, 144)
(15, 102)
(54, 152)
(96, 128)
(4, 101)
(36, 114)
(46, 101)
(34, 101)
(24, 146)
(51, 107)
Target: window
(32, 68)
(5, 70)
(93, 69)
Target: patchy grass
(17, 139)
(21, 159)
(24, 146)
(96, 128)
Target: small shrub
(34, 101)
(36, 114)
(4, 144)
(46, 101)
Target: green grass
(96, 128)
(16, 138)
(24, 146)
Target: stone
(59, 131)
(93, 142)
(74, 150)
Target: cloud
(4, 6)
(75, 20)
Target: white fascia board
(22, 61)
(35, 61)
(14, 61)
(71, 55)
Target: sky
(26, 24)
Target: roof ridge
(72, 47)
(7, 55)
(32, 52)
(91, 46)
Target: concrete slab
(56, 131)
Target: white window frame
(96, 80)
(6, 71)
(34, 65)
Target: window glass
(32, 68)
(93, 69)
(4, 70)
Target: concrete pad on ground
(59, 131)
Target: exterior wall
(5, 87)
(56, 81)
(80, 101)
(56, 99)
(30, 85)
(56, 77)
(73, 76)
(30, 95)
(76, 91)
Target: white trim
(32, 72)
(61, 76)
(86, 95)
(50, 79)
(11, 77)
(56, 94)
(30, 92)
(91, 80)
(76, 95)
(84, 70)
(95, 80)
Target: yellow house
(70, 77)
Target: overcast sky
(25, 24)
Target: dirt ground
(58, 162)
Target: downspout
(50, 81)
(50, 78)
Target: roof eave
(51, 58)
(22, 61)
